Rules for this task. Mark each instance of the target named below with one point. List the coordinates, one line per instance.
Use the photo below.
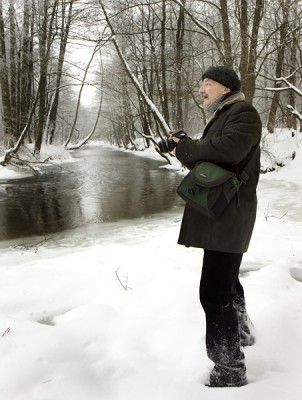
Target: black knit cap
(224, 75)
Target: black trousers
(219, 287)
(219, 282)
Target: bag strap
(244, 176)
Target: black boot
(246, 337)
(223, 346)
(221, 377)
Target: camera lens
(166, 145)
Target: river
(104, 185)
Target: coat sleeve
(232, 138)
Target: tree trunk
(25, 92)
(248, 58)
(163, 89)
(88, 137)
(228, 53)
(271, 122)
(250, 79)
(13, 69)
(179, 121)
(5, 89)
(65, 26)
(43, 77)
(47, 33)
(292, 121)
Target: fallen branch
(34, 246)
(124, 285)
(6, 332)
(267, 216)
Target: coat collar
(231, 99)
(227, 100)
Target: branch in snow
(6, 332)
(267, 215)
(124, 285)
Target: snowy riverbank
(114, 314)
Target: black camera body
(167, 145)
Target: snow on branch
(294, 112)
(131, 75)
(289, 86)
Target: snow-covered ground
(114, 314)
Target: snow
(113, 313)
(9, 173)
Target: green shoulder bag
(210, 188)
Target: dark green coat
(228, 140)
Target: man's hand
(176, 140)
(177, 136)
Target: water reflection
(106, 185)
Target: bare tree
(4, 79)
(282, 32)
(33, 42)
(66, 19)
(25, 67)
(131, 75)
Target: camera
(168, 144)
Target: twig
(267, 216)
(34, 246)
(124, 286)
(6, 332)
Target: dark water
(106, 185)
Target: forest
(141, 62)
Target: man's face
(211, 90)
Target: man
(230, 138)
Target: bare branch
(6, 332)
(124, 285)
(199, 24)
(131, 75)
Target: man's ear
(226, 90)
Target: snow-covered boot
(223, 346)
(245, 324)
(228, 376)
